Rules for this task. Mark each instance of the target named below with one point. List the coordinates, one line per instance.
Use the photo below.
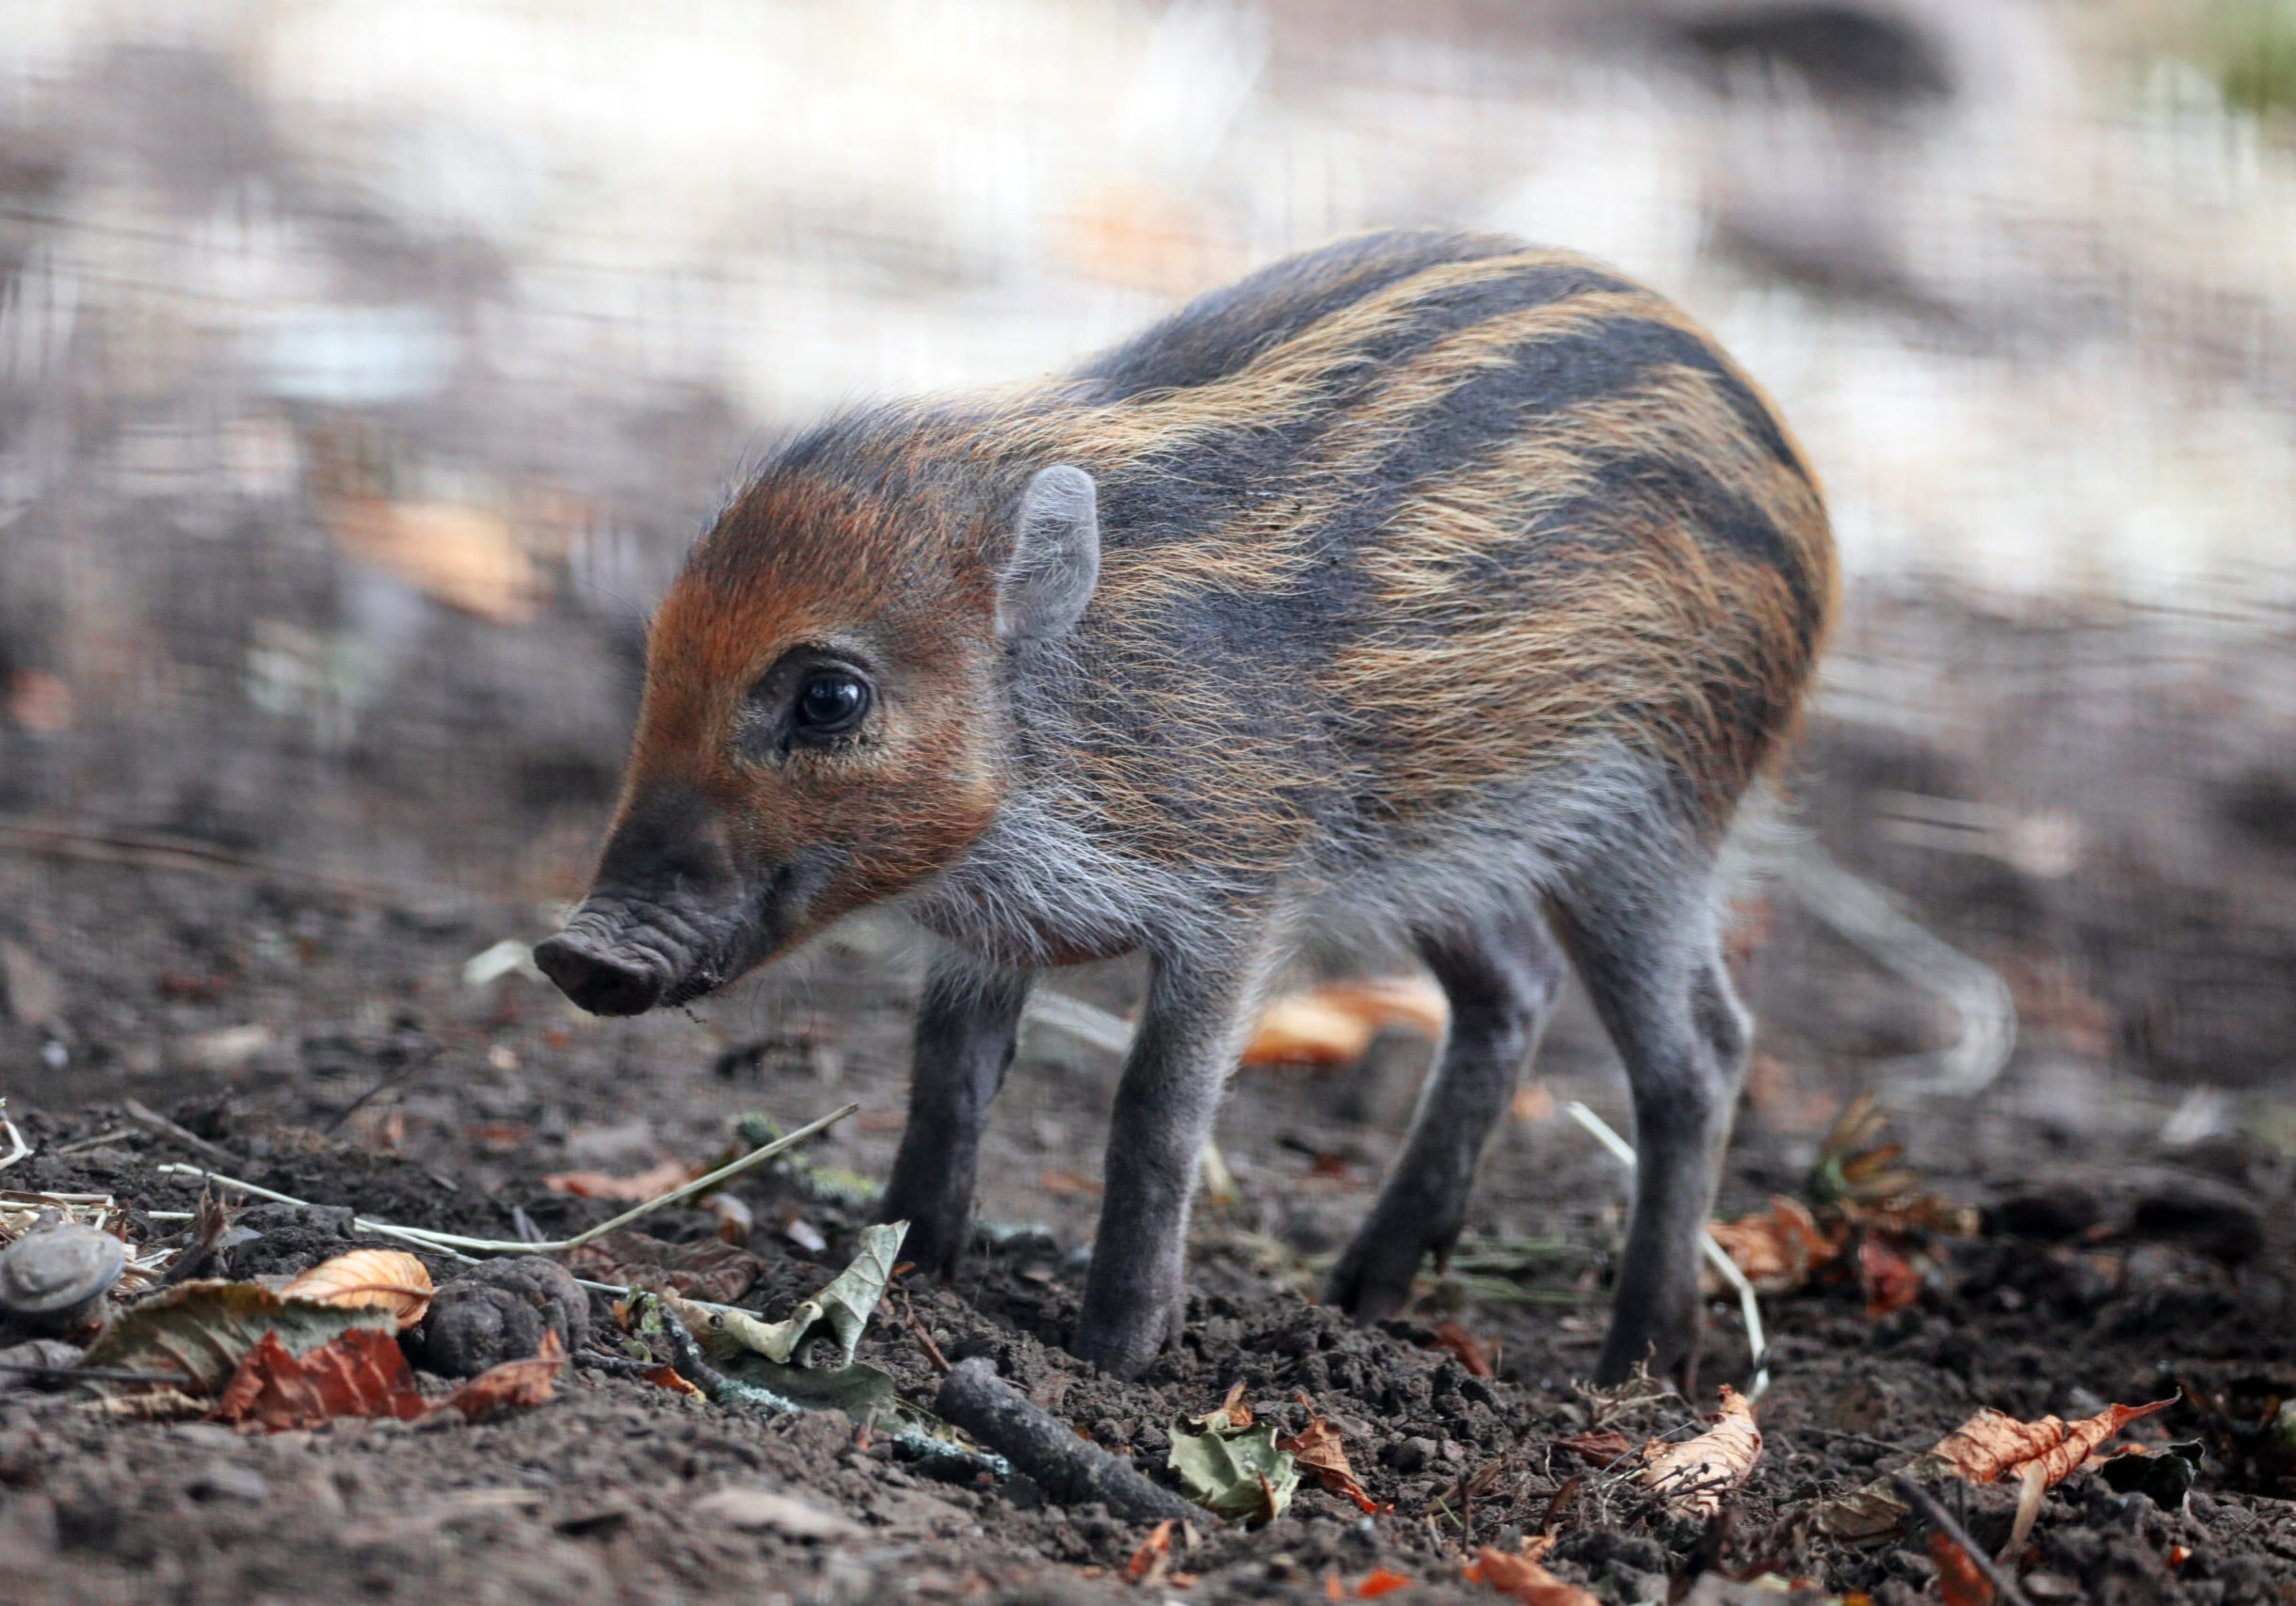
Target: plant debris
(1692, 1477)
(390, 1278)
(1989, 1446)
(1521, 1575)
(1230, 1467)
(1316, 1449)
(1334, 1024)
(650, 1183)
(707, 1268)
(197, 1334)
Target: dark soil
(382, 1082)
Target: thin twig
(454, 1240)
(91, 1374)
(83, 1145)
(391, 1079)
(925, 1339)
(17, 1149)
(152, 1122)
(152, 850)
(1932, 1512)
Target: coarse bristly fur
(1429, 583)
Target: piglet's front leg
(965, 1027)
(1198, 1008)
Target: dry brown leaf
(1148, 1563)
(1989, 1445)
(362, 1374)
(1316, 1448)
(513, 1386)
(1693, 1476)
(1334, 1024)
(1231, 1415)
(706, 1268)
(391, 1279)
(466, 558)
(1518, 1574)
(1068, 1185)
(1777, 1248)
(667, 1377)
(1958, 1578)
(1992, 1444)
(1888, 1278)
(1306, 1030)
(647, 1184)
(1598, 1449)
(1462, 1347)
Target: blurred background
(365, 371)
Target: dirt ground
(329, 1043)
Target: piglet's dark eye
(830, 703)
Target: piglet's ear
(1056, 558)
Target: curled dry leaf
(1334, 1024)
(1462, 1347)
(1598, 1449)
(667, 1377)
(1959, 1580)
(1989, 1445)
(1231, 1415)
(513, 1386)
(362, 1373)
(1888, 1278)
(390, 1278)
(1693, 1476)
(647, 1184)
(707, 1268)
(1148, 1563)
(1518, 1574)
(1316, 1449)
(1992, 1444)
(1778, 1248)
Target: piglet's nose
(600, 980)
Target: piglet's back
(1394, 528)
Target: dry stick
(152, 1122)
(88, 1373)
(83, 1145)
(152, 850)
(1932, 1512)
(17, 1149)
(1067, 1467)
(453, 1241)
(925, 1339)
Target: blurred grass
(2252, 50)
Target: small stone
(55, 1276)
(750, 1507)
(220, 1480)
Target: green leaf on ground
(1235, 1475)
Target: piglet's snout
(604, 977)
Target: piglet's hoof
(498, 1311)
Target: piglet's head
(825, 723)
